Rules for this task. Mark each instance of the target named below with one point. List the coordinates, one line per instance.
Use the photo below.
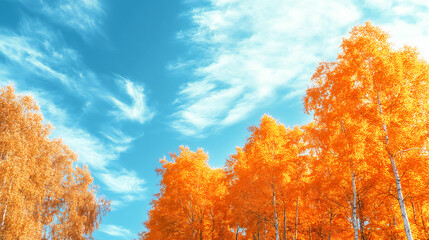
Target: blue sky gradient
(126, 82)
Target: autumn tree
(383, 91)
(266, 178)
(359, 170)
(342, 182)
(44, 194)
(191, 202)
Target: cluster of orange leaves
(339, 177)
(44, 194)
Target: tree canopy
(44, 194)
(358, 171)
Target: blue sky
(126, 82)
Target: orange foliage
(266, 180)
(359, 170)
(43, 194)
(371, 109)
(191, 203)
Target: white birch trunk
(276, 222)
(5, 208)
(354, 217)
(401, 201)
(4, 216)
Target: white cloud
(93, 151)
(81, 15)
(36, 53)
(138, 109)
(408, 23)
(30, 55)
(379, 4)
(125, 183)
(117, 136)
(90, 149)
(116, 231)
(251, 53)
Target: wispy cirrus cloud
(32, 54)
(123, 182)
(250, 53)
(406, 21)
(91, 150)
(116, 231)
(120, 140)
(94, 151)
(138, 109)
(37, 53)
(81, 15)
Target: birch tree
(384, 89)
(44, 194)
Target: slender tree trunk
(192, 221)
(393, 214)
(401, 201)
(213, 223)
(4, 216)
(361, 221)
(296, 217)
(330, 224)
(258, 228)
(236, 232)
(309, 231)
(414, 211)
(362, 235)
(276, 222)
(5, 208)
(354, 217)
(284, 223)
(422, 218)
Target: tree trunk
(422, 218)
(330, 224)
(414, 211)
(276, 222)
(213, 223)
(236, 232)
(5, 208)
(296, 217)
(362, 235)
(401, 201)
(258, 228)
(354, 217)
(284, 223)
(4, 216)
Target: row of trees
(44, 194)
(359, 170)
